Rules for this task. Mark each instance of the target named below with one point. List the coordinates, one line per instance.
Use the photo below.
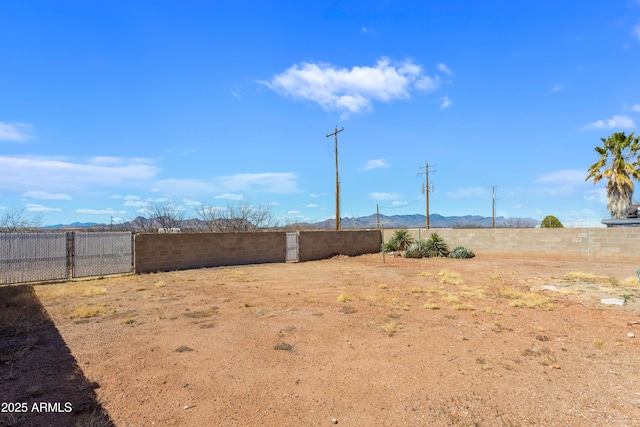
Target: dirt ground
(347, 341)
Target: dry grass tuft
(533, 300)
(431, 305)
(463, 307)
(51, 292)
(475, 292)
(202, 313)
(284, 346)
(87, 311)
(344, 297)
(449, 277)
(452, 298)
(390, 327)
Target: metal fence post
(70, 247)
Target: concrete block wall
(314, 245)
(621, 244)
(166, 252)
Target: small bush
(416, 250)
(461, 252)
(551, 221)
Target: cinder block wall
(314, 245)
(165, 252)
(621, 244)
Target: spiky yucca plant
(400, 241)
(436, 246)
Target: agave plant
(436, 247)
(416, 250)
(400, 241)
(461, 252)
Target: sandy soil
(347, 341)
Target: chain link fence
(33, 257)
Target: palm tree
(619, 155)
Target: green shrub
(551, 221)
(436, 247)
(416, 250)
(461, 252)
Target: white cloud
(294, 213)
(107, 211)
(43, 195)
(614, 122)
(269, 182)
(464, 193)
(352, 90)
(397, 203)
(383, 196)
(636, 32)
(556, 88)
(24, 172)
(315, 195)
(192, 203)
(562, 182)
(443, 68)
(636, 107)
(374, 164)
(236, 95)
(31, 207)
(598, 195)
(445, 102)
(136, 203)
(14, 132)
(230, 196)
(311, 205)
(282, 183)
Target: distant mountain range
(419, 221)
(370, 221)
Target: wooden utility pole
(335, 144)
(426, 189)
(493, 206)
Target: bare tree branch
(15, 219)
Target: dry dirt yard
(347, 341)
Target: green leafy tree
(551, 221)
(619, 163)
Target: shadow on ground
(41, 383)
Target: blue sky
(107, 107)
